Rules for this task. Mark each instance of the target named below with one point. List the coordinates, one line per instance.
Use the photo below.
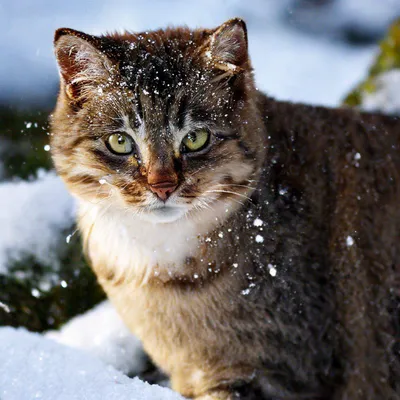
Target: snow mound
(386, 97)
(31, 215)
(34, 367)
(102, 333)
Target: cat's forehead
(171, 88)
(162, 58)
(164, 83)
(162, 125)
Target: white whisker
(228, 192)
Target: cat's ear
(82, 64)
(228, 46)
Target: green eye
(119, 144)
(195, 141)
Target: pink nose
(163, 189)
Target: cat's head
(164, 124)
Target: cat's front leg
(209, 385)
(249, 393)
(215, 383)
(218, 395)
(196, 385)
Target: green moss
(387, 59)
(23, 136)
(41, 297)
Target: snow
(35, 367)
(102, 333)
(272, 271)
(31, 215)
(258, 222)
(288, 63)
(386, 97)
(349, 241)
(4, 307)
(259, 239)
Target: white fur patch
(124, 241)
(138, 135)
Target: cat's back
(345, 164)
(331, 132)
(341, 152)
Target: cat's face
(163, 124)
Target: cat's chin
(163, 215)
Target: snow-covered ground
(102, 333)
(32, 216)
(35, 367)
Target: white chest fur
(128, 244)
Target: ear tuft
(72, 32)
(228, 46)
(81, 63)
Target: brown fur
(210, 311)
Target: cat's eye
(120, 144)
(195, 141)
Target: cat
(251, 244)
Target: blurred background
(313, 51)
(305, 50)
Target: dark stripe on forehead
(138, 103)
(199, 112)
(182, 112)
(159, 76)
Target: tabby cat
(253, 245)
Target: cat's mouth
(164, 213)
